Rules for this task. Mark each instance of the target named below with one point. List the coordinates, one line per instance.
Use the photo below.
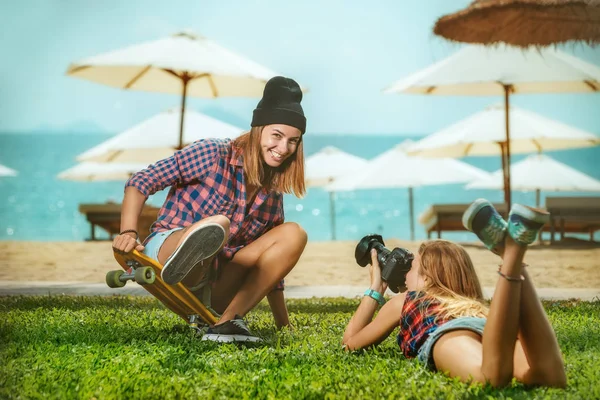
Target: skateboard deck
(176, 298)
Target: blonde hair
(287, 178)
(451, 279)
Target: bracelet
(137, 235)
(375, 295)
(522, 265)
(511, 278)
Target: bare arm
(362, 331)
(133, 203)
(278, 308)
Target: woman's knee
(293, 231)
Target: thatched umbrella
(523, 23)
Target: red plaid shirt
(417, 322)
(206, 179)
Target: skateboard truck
(136, 272)
(196, 323)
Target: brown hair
(451, 278)
(287, 178)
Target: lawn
(132, 347)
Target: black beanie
(280, 104)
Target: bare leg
(256, 269)
(488, 358)
(176, 238)
(500, 333)
(538, 359)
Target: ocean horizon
(37, 206)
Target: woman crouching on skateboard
(442, 317)
(223, 219)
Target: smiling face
(414, 280)
(278, 142)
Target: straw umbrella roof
(523, 23)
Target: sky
(344, 51)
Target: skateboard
(145, 271)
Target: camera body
(394, 264)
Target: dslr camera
(394, 264)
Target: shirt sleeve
(191, 163)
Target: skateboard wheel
(113, 279)
(144, 275)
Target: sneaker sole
(540, 217)
(202, 243)
(230, 338)
(471, 212)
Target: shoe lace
(240, 324)
(494, 231)
(526, 235)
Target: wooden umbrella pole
(507, 192)
(184, 79)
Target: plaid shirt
(206, 179)
(417, 322)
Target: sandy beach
(322, 263)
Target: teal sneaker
(525, 223)
(482, 219)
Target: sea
(37, 206)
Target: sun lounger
(448, 217)
(108, 217)
(573, 215)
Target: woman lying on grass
(442, 314)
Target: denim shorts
(153, 246)
(474, 324)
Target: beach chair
(448, 217)
(108, 217)
(573, 215)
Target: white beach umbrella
(539, 172)
(5, 171)
(158, 137)
(482, 133)
(388, 170)
(502, 70)
(326, 165)
(93, 171)
(184, 64)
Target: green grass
(132, 347)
